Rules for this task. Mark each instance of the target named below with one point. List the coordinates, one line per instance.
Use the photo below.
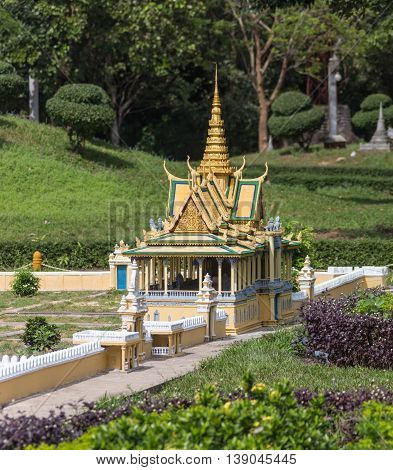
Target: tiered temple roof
(215, 211)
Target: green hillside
(49, 193)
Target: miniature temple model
(214, 225)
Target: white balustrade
(163, 325)
(160, 351)
(102, 335)
(193, 322)
(11, 369)
(338, 281)
(221, 314)
(170, 293)
(296, 296)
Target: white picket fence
(16, 368)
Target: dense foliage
(21, 431)
(351, 252)
(336, 331)
(25, 284)
(11, 85)
(295, 118)
(60, 254)
(39, 335)
(365, 120)
(83, 109)
(94, 254)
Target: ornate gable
(190, 219)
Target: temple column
(254, 269)
(266, 265)
(147, 262)
(152, 269)
(271, 259)
(189, 267)
(233, 276)
(159, 273)
(200, 273)
(259, 266)
(165, 263)
(239, 274)
(123, 358)
(140, 274)
(219, 262)
(249, 271)
(244, 273)
(278, 271)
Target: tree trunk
(115, 135)
(263, 137)
(34, 108)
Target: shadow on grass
(105, 158)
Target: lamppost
(334, 140)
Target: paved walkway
(152, 373)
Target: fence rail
(45, 360)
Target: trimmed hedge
(365, 120)
(373, 101)
(317, 177)
(67, 255)
(94, 255)
(11, 84)
(82, 109)
(294, 117)
(291, 102)
(352, 252)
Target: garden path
(152, 373)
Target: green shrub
(291, 102)
(365, 120)
(11, 85)
(374, 429)
(272, 418)
(381, 305)
(25, 284)
(39, 335)
(373, 101)
(82, 109)
(295, 118)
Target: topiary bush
(39, 335)
(11, 85)
(295, 118)
(365, 120)
(25, 284)
(82, 109)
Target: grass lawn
(57, 302)
(49, 193)
(271, 360)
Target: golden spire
(216, 156)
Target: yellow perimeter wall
(52, 376)
(64, 281)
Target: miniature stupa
(379, 140)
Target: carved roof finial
(216, 156)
